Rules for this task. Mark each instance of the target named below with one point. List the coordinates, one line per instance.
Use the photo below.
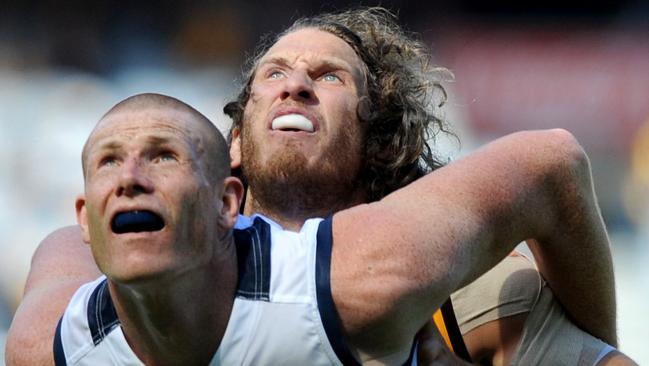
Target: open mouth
(136, 221)
(293, 123)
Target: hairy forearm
(569, 238)
(576, 259)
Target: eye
(165, 156)
(108, 161)
(331, 78)
(275, 74)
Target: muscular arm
(583, 282)
(59, 266)
(395, 260)
(581, 275)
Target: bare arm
(583, 282)
(580, 274)
(403, 256)
(59, 266)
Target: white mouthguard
(292, 121)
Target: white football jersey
(283, 313)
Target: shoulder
(75, 333)
(89, 331)
(88, 295)
(61, 256)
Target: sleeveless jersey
(283, 313)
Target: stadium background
(581, 65)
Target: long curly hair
(401, 111)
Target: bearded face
(301, 142)
(289, 181)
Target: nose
(298, 86)
(133, 179)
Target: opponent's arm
(395, 260)
(59, 266)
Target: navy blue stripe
(453, 331)
(326, 307)
(59, 353)
(253, 258)
(413, 351)
(102, 318)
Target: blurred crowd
(540, 65)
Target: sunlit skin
(148, 160)
(299, 85)
(305, 61)
(317, 75)
(158, 155)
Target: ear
(235, 149)
(232, 195)
(82, 217)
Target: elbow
(568, 179)
(561, 182)
(563, 160)
(551, 151)
(570, 161)
(568, 147)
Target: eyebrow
(283, 61)
(109, 145)
(332, 63)
(114, 145)
(89, 152)
(156, 140)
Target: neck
(292, 216)
(165, 325)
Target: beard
(286, 185)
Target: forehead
(129, 124)
(313, 45)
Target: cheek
(253, 119)
(98, 237)
(102, 182)
(96, 196)
(196, 197)
(343, 114)
(94, 221)
(259, 95)
(250, 141)
(200, 212)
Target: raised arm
(395, 260)
(59, 266)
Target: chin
(134, 278)
(139, 272)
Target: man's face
(300, 127)
(149, 207)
